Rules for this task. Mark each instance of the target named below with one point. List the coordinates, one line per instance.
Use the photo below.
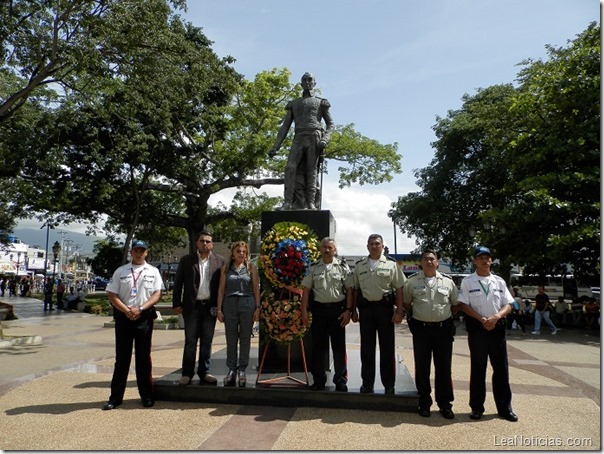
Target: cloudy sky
(390, 67)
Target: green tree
(555, 159)
(520, 168)
(108, 257)
(56, 43)
(163, 126)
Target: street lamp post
(56, 252)
(18, 260)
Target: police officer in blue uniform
(487, 301)
(378, 295)
(430, 297)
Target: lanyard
(487, 289)
(136, 278)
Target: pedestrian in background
(542, 311)
(48, 292)
(516, 316)
(60, 293)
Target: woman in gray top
(238, 308)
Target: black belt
(434, 324)
(202, 301)
(386, 301)
(338, 304)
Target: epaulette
(360, 260)
(316, 262)
(392, 259)
(325, 103)
(412, 275)
(447, 276)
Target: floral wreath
(282, 318)
(286, 253)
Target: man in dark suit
(195, 291)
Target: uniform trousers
(433, 341)
(199, 327)
(128, 333)
(489, 346)
(376, 316)
(238, 322)
(325, 327)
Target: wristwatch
(141, 308)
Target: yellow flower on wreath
(286, 252)
(283, 318)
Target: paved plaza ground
(51, 397)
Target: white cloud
(358, 213)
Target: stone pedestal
(322, 222)
(324, 225)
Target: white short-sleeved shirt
(487, 295)
(145, 278)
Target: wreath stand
(288, 379)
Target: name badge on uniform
(133, 291)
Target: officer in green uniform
(430, 296)
(331, 283)
(378, 286)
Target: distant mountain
(37, 238)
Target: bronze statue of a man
(306, 153)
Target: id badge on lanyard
(134, 289)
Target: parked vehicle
(100, 283)
(566, 286)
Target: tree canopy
(144, 129)
(518, 168)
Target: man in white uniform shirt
(133, 291)
(487, 301)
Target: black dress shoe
(447, 413)
(342, 387)
(148, 402)
(366, 389)
(389, 390)
(510, 416)
(423, 411)
(476, 415)
(110, 405)
(317, 387)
